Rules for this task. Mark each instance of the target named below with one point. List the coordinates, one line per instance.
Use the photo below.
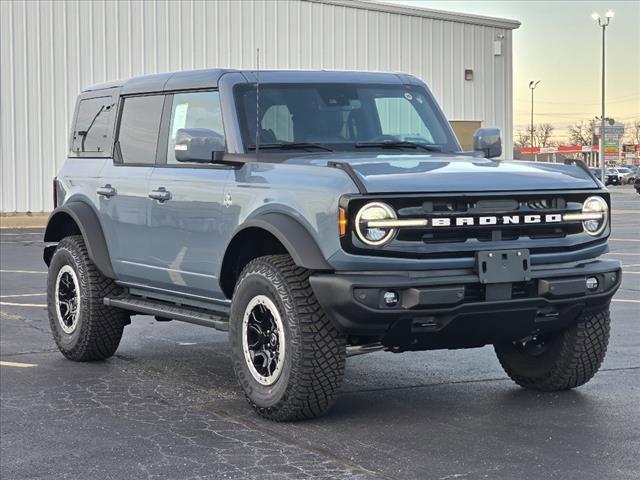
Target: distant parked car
(614, 177)
(611, 177)
(636, 184)
(627, 175)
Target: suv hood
(383, 173)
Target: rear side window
(139, 127)
(93, 130)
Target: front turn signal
(342, 222)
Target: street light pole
(603, 23)
(532, 86)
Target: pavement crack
(460, 382)
(618, 369)
(354, 467)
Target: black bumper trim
(341, 296)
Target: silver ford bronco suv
(317, 215)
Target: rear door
(123, 190)
(187, 238)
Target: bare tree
(543, 135)
(632, 132)
(522, 139)
(581, 133)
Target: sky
(559, 44)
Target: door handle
(161, 194)
(106, 191)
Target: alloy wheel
(67, 299)
(263, 340)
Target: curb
(33, 220)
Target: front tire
(288, 356)
(561, 360)
(83, 328)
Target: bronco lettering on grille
(496, 220)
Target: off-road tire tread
(316, 375)
(102, 330)
(583, 349)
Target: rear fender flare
(61, 222)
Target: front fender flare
(86, 219)
(302, 247)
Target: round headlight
(596, 205)
(374, 235)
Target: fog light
(592, 283)
(390, 298)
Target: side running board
(170, 311)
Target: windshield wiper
(398, 144)
(289, 146)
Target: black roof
(208, 78)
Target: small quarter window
(92, 133)
(139, 128)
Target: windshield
(341, 117)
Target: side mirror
(198, 145)
(487, 141)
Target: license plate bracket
(503, 266)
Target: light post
(603, 23)
(532, 85)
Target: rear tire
(559, 361)
(83, 327)
(288, 356)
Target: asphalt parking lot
(168, 406)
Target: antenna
(257, 101)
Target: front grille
(454, 208)
(454, 239)
(485, 235)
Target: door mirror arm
(219, 157)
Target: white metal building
(49, 50)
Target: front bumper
(452, 309)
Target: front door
(187, 236)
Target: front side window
(342, 117)
(93, 130)
(399, 118)
(139, 128)
(196, 127)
